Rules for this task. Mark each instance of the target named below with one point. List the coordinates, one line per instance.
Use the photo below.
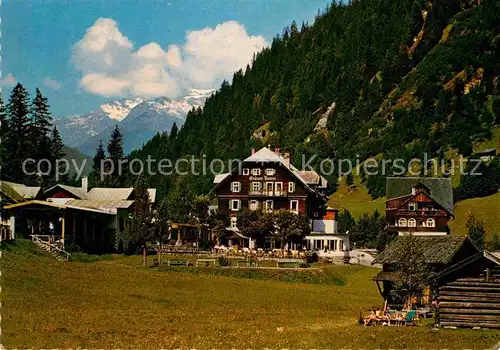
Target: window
(412, 222)
(341, 243)
(334, 245)
(270, 172)
(268, 206)
(412, 207)
(269, 188)
(402, 222)
(121, 224)
(255, 172)
(278, 188)
(430, 223)
(246, 171)
(234, 221)
(235, 204)
(254, 205)
(294, 206)
(291, 187)
(255, 186)
(235, 186)
(318, 244)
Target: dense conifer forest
(406, 77)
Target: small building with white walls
(325, 239)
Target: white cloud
(8, 80)
(52, 83)
(110, 65)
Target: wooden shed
(468, 292)
(440, 253)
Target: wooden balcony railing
(275, 193)
(422, 213)
(440, 228)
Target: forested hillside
(401, 77)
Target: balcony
(422, 213)
(266, 193)
(394, 228)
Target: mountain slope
(76, 157)
(76, 129)
(407, 77)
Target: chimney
(85, 184)
(253, 151)
(277, 150)
(286, 159)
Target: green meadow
(116, 303)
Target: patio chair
(409, 320)
(396, 318)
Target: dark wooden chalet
(267, 181)
(440, 252)
(422, 206)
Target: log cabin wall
(473, 300)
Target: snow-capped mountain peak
(138, 119)
(118, 110)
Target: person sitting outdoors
(370, 319)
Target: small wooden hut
(468, 292)
(440, 252)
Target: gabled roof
(55, 205)
(265, 155)
(75, 191)
(410, 197)
(18, 192)
(219, 178)
(486, 151)
(103, 193)
(471, 259)
(436, 249)
(101, 205)
(440, 188)
(310, 176)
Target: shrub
(89, 258)
(223, 261)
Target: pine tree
(346, 222)
(15, 143)
(39, 131)
(141, 230)
(173, 132)
(115, 154)
(57, 150)
(494, 244)
(4, 129)
(475, 230)
(100, 155)
(95, 175)
(57, 144)
(41, 122)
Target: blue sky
(137, 48)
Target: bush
(293, 276)
(72, 248)
(311, 257)
(223, 261)
(89, 258)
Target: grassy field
(486, 209)
(118, 304)
(358, 202)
